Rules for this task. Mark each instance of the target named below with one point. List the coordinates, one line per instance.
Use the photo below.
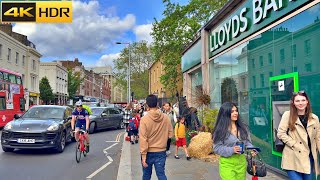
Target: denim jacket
(225, 148)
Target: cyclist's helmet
(78, 103)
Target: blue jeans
(158, 159)
(294, 175)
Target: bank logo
(39, 11)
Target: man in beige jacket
(155, 129)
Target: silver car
(103, 118)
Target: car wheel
(62, 143)
(92, 128)
(6, 149)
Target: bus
(11, 95)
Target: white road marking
(97, 171)
(105, 165)
(105, 150)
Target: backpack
(132, 124)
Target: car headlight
(53, 127)
(8, 126)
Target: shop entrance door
(281, 88)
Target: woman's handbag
(256, 167)
(279, 144)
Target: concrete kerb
(124, 171)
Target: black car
(103, 118)
(44, 126)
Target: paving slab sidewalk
(176, 169)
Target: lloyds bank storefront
(256, 53)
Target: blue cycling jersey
(80, 115)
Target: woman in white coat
(300, 132)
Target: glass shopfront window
(252, 74)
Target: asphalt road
(101, 163)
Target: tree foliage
(74, 81)
(177, 29)
(140, 61)
(46, 93)
(229, 92)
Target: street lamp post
(129, 90)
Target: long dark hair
(223, 123)
(294, 112)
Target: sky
(96, 26)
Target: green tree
(229, 92)
(140, 61)
(176, 29)
(74, 81)
(45, 90)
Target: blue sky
(96, 26)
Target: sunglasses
(79, 106)
(299, 92)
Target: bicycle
(80, 146)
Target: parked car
(103, 118)
(43, 126)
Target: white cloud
(89, 32)
(107, 59)
(143, 32)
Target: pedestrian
(167, 109)
(180, 134)
(126, 114)
(133, 127)
(228, 132)
(300, 132)
(155, 129)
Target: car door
(67, 122)
(113, 118)
(106, 118)
(118, 117)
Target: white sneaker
(168, 153)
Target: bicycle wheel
(78, 152)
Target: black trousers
(168, 144)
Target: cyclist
(82, 116)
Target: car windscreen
(44, 113)
(97, 111)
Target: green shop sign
(252, 16)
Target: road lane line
(119, 136)
(105, 150)
(110, 159)
(105, 165)
(98, 170)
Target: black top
(304, 121)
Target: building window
(23, 60)
(307, 47)
(294, 51)
(34, 64)
(282, 71)
(270, 58)
(261, 61)
(9, 55)
(295, 69)
(270, 74)
(262, 80)
(308, 67)
(254, 82)
(282, 56)
(33, 83)
(17, 58)
(253, 63)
